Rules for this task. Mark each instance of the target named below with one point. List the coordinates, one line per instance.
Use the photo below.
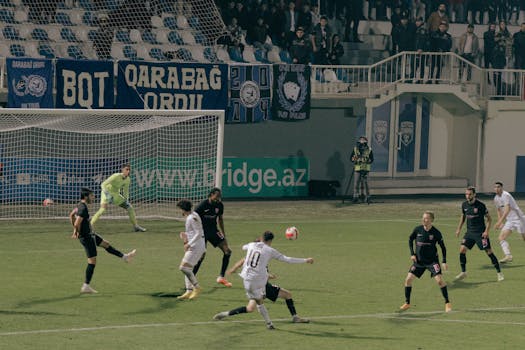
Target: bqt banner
(84, 84)
(291, 92)
(168, 85)
(30, 83)
(250, 91)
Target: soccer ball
(47, 202)
(291, 233)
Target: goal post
(52, 153)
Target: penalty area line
(394, 315)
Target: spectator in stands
(403, 36)
(290, 25)
(258, 35)
(305, 18)
(229, 12)
(103, 39)
(236, 35)
(488, 46)
(418, 8)
(468, 48)
(354, 13)
(320, 38)
(276, 24)
(300, 49)
(518, 46)
(422, 45)
(243, 18)
(503, 42)
(316, 17)
(336, 50)
(395, 19)
(380, 6)
(438, 17)
(440, 41)
(456, 10)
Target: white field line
(396, 315)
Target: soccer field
(351, 293)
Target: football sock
(408, 291)
(225, 262)
(505, 247)
(494, 261)
(189, 273)
(113, 251)
(197, 267)
(463, 261)
(291, 307)
(264, 313)
(239, 310)
(444, 291)
(132, 217)
(97, 215)
(90, 269)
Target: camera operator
(362, 157)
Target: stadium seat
(75, 52)
(194, 22)
(261, 55)
(149, 37)
(54, 33)
(135, 36)
(182, 22)
(170, 22)
(197, 52)
(11, 33)
(62, 5)
(112, 4)
(187, 37)
(223, 55)
(68, 35)
(174, 38)
(117, 51)
(142, 52)
(200, 38)
(87, 18)
(7, 15)
(285, 56)
(20, 16)
(87, 5)
(157, 54)
(17, 50)
(89, 51)
(4, 50)
(162, 36)
(210, 55)
(76, 16)
(122, 35)
(6, 3)
(130, 52)
(25, 31)
(185, 54)
(81, 33)
(46, 50)
(248, 54)
(235, 54)
(31, 49)
(156, 22)
(62, 18)
(273, 55)
(39, 34)
(92, 34)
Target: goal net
(51, 154)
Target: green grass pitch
(351, 293)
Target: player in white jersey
(510, 217)
(194, 248)
(255, 276)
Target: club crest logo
(380, 130)
(431, 237)
(34, 85)
(250, 94)
(292, 95)
(406, 129)
(475, 210)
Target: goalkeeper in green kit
(115, 190)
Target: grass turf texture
(351, 293)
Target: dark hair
(125, 165)
(185, 204)
(267, 236)
(324, 17)
(498, 183)
(471, 188)
(213, 191)
(85, 192)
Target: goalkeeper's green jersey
(116, 183)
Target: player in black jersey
(210, 210)
(425, 257)
(89, 239)
(475, 213)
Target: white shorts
(193, 255)
(255, 289)
(515, 225)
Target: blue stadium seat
(7, 15)
(75, 52)
(130, 52)
(39, 34)
(175, 38)
(170, 22)
(11, 33)
(261, 56)
(112, 4)
(62, 5)
(149, 37)
(194, 22)
(87, 5)
(200, 38)
(235, 54)
(285, 56)
(68, 35)
(92, 34)
(46, 50)
(185, 54)
(63, 19)
(17, 50)
(122, 35)
(6, 3)
(210, 55)
(88, 18)
(157, 54)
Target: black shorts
(482, 243)
(418, 269)
(90, 243)
(272, 291)
(215, 237)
